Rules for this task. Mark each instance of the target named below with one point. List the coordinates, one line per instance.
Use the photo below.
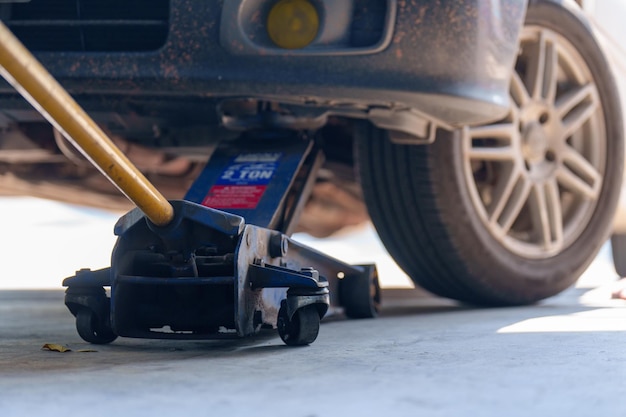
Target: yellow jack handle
(22, 70)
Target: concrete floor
(424, 356)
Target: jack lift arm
(218, 264)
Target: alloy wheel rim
(535, 176)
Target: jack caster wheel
(303, 327)
(92, 330)
(360, 295)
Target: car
(484, 137)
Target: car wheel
(514, 211)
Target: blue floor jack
(218, 264)
(225, 266)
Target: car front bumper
(449, 60)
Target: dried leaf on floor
(53, 347)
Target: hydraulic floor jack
(218, 264)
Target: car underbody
(49, 166)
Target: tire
(360, 295)
(512, 212)
(618, 245)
